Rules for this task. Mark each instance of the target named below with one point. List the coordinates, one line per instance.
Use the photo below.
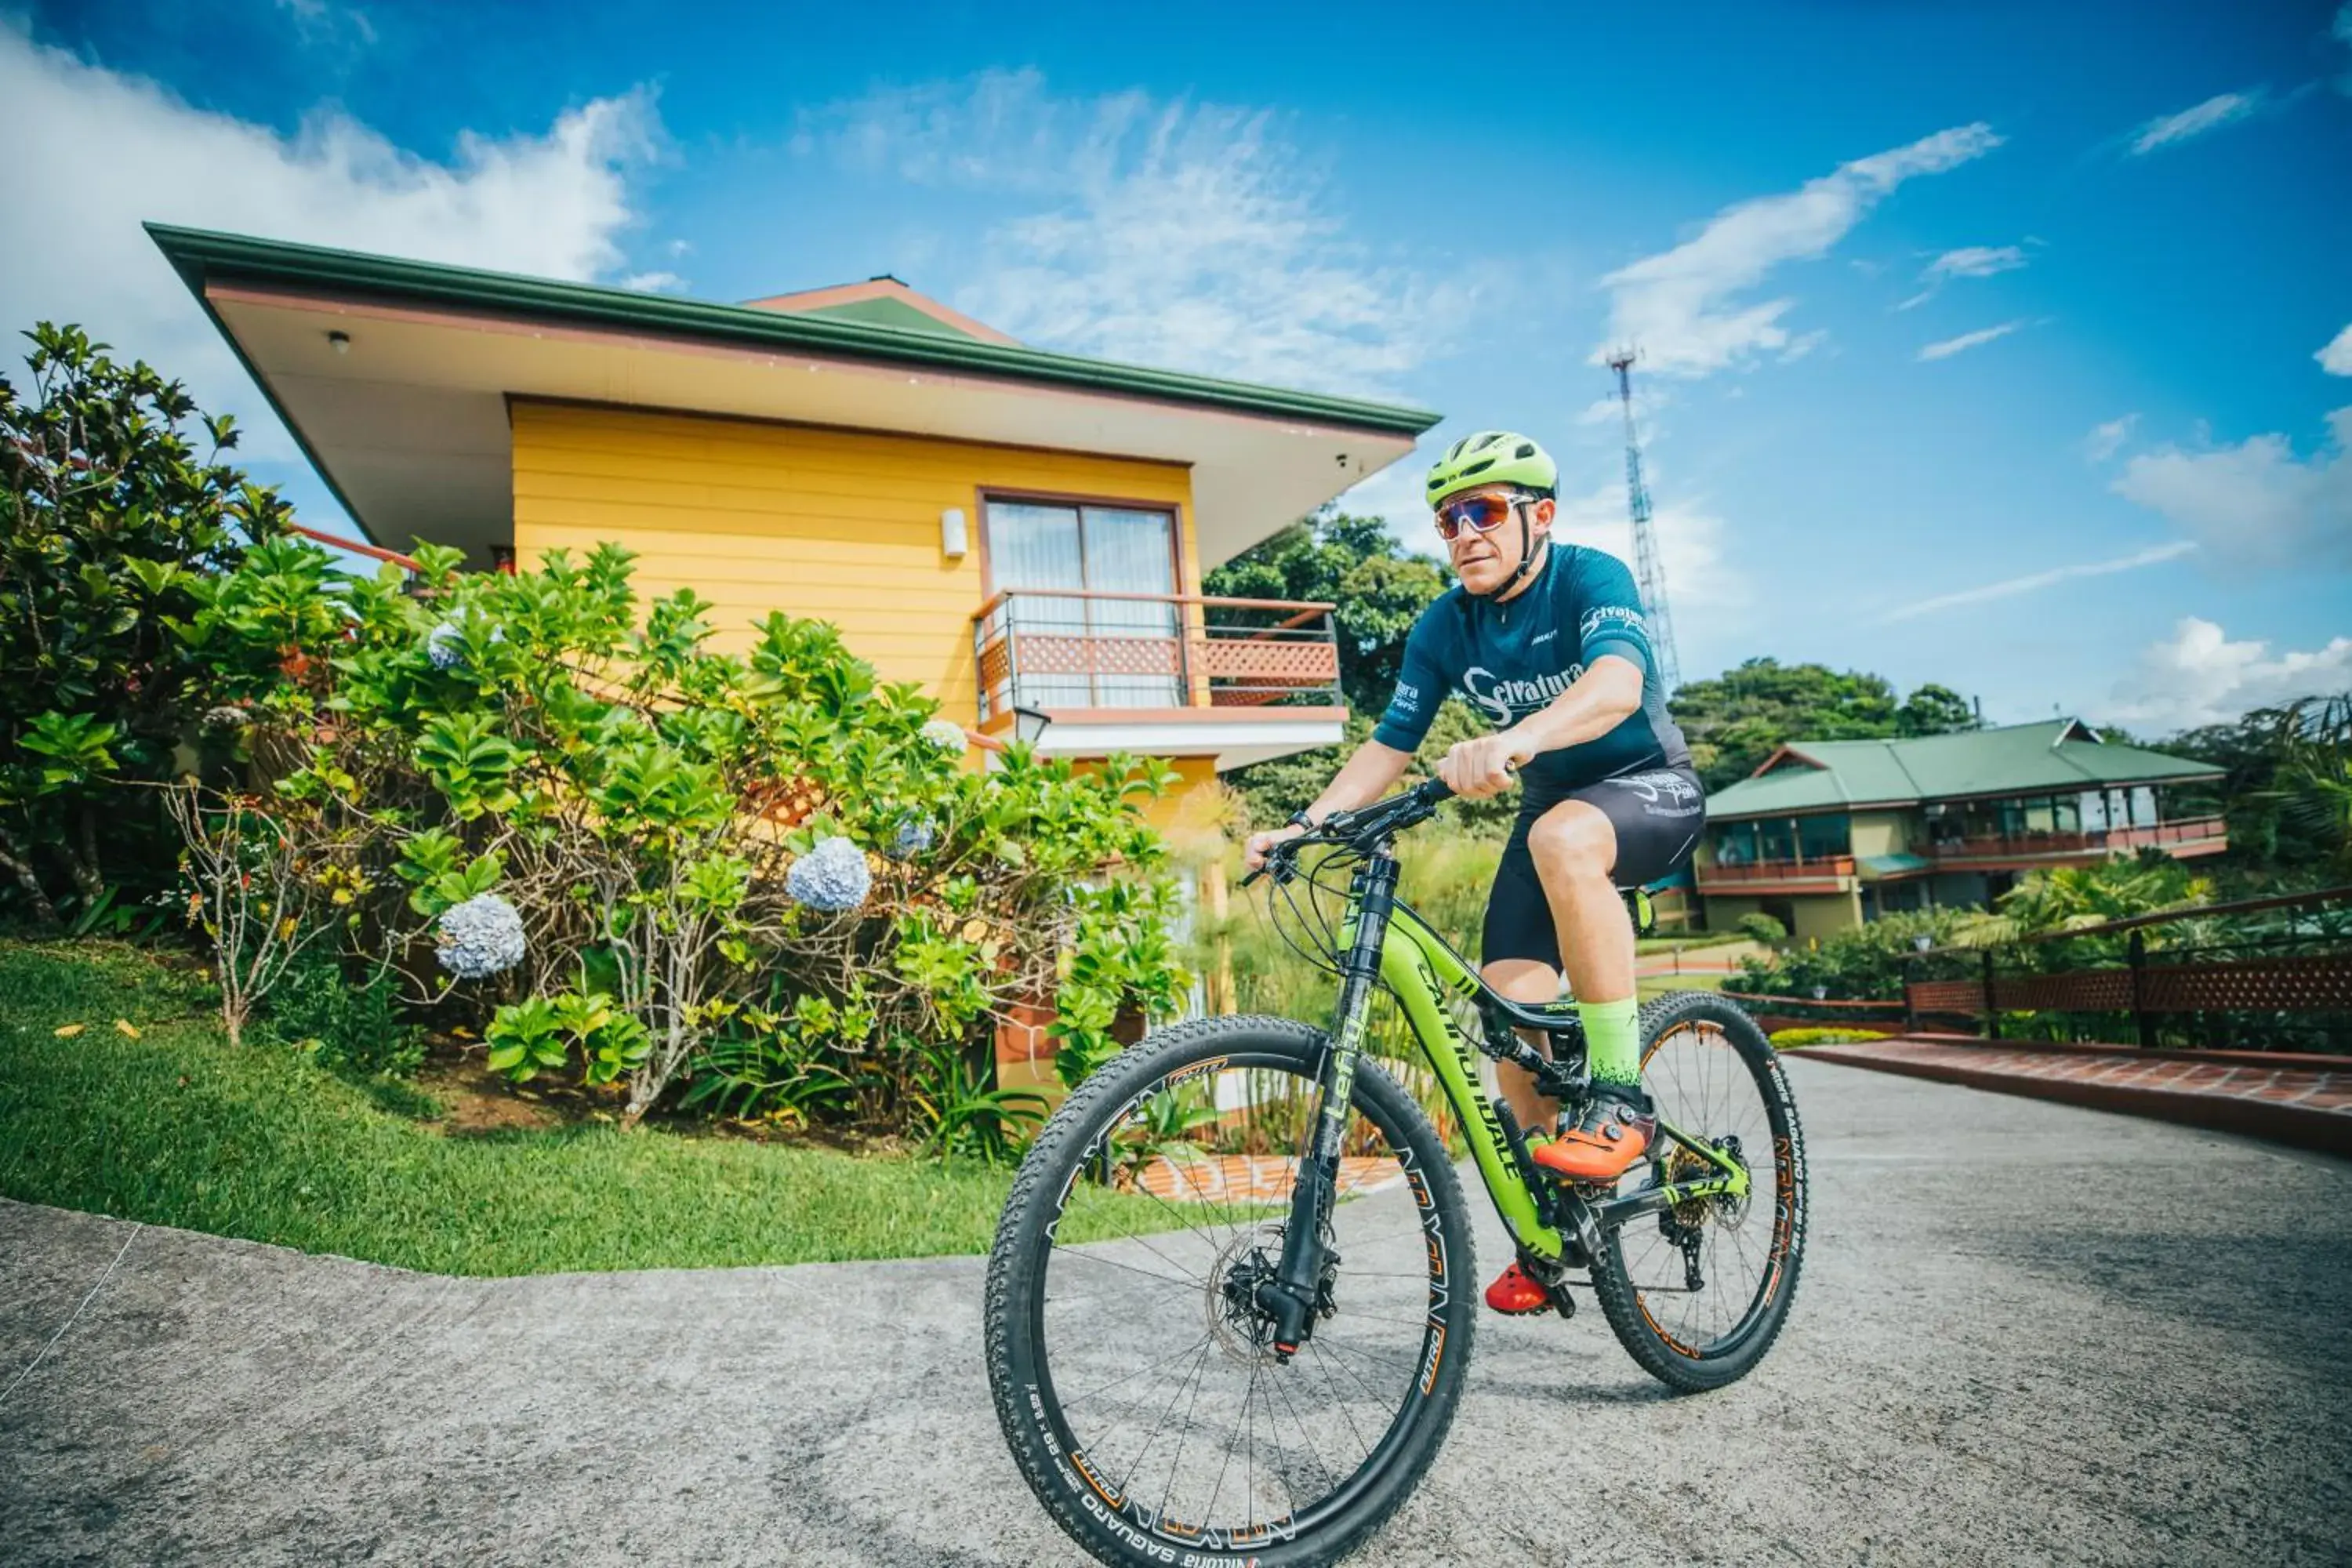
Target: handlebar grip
(1432, 792)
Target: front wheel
(1134, 1375)
(1698, 1293)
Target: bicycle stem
(1290, 1296)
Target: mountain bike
(1257, 1356)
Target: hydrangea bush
(757, 880)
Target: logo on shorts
(1663, 793)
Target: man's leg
(1574, 846)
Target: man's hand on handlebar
(1478, 769)
(1260, 845)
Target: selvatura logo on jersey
(1506, 701)
(1621, 616)
(1407, 698)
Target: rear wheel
(1697, 1294)
(1134, 1377)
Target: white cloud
(2196, 120)
(1690, 545)
(1969, 261)
(2255, 503)
(2335, 359)
(2199, 677)
(654, 282)
(1682, 307)
(2106, 440)
(1170, 233)
(118, 149)
(1967, 340)
(2154, 556)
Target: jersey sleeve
(1421, 684)
(1608, 611)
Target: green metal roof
(889, 312)
(2059, 754)
(201, 256)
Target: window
(1819, 837)
(1068, 651)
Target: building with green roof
(1826, 834)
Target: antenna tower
(1649, 572)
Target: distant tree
(2285, 789)
(1739, 718)
(1934, 711)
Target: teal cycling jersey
(1513, 658)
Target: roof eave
(201, 256)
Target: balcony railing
(2196, 833)
(1820, 869)
(1062, 648)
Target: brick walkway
(2305, 1100)
(1256, 1178)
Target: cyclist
(1547, 640)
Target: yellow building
(1009, 528)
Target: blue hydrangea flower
(481, 937)
(915, 835)
(442, 645)
(832, 876)
(946, 735)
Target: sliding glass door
(1087, 648)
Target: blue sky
(2007, 346)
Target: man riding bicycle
(1547, 639)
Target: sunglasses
(1480, 514)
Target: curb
(2301, 1127)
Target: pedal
(1553, 1278)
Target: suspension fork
(1290, 1296)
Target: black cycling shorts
(1657, 813)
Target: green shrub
(633, 857)
(1761, 927)
(350, 1026)
(1864, 963)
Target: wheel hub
(1243, 1329)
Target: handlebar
(1362, 828)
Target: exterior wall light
(953, 539)
(1029, 724)
(340, 342)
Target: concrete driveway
(2026, 1334)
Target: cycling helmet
(1492, 458)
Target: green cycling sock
(1612, 1038)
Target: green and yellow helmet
(1492, 458)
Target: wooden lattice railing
(1049, 649)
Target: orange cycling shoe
(1603, 1141)
(1515, 1292)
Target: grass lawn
(175, 1128)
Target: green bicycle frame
(1390, 945)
